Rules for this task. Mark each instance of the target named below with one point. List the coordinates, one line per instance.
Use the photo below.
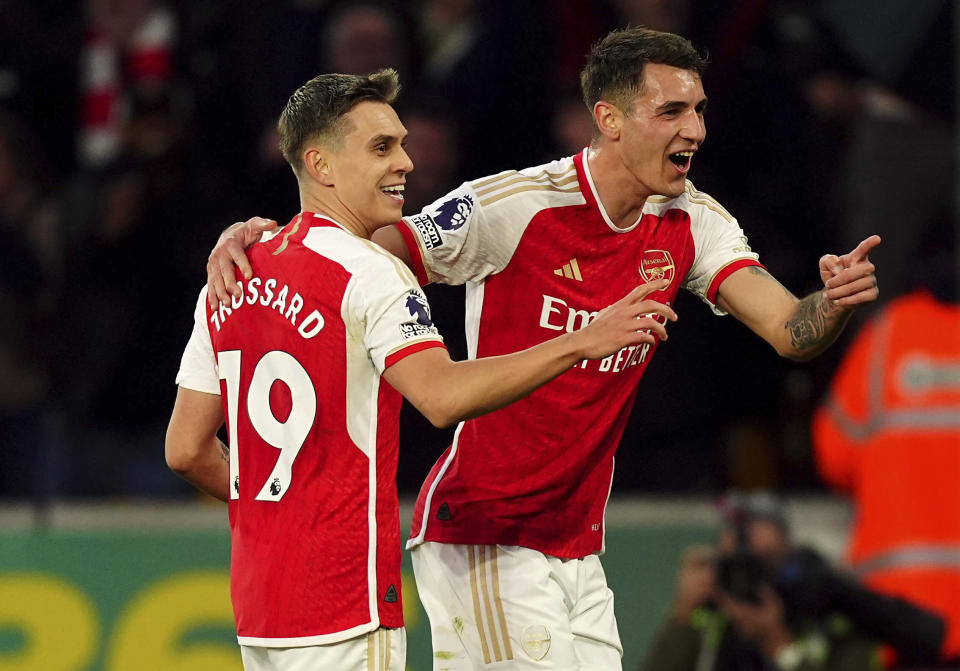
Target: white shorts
(380, 650)
(508, 607)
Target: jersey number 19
(287, 436)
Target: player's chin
(674, 187)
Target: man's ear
(608, 119)
(316, 164)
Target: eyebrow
(674, 104)
(385, 139)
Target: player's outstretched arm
(192, 448)
(802, 329)
(447, 391)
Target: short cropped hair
(614, 69)
(317, 110)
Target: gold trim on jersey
(522, 189)
(486, 600)
(491, 190)
(286, 237)
(480, 183)
(708, 201)
(697, 198)
(555, 178)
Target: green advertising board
(158, 600)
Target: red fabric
(302, 566)
(891, 444)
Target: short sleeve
(386, 308)
(721, 249)
(198, 365)
(453, 241)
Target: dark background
(132, 132)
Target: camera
(811, 591)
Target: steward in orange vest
(889, 435)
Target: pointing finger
(862, 250)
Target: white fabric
(198, 365)
(497, 607)
(380, 650)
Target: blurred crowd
(133, 131)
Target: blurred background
(133, 131)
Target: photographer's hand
(762, 623)
(695, 581)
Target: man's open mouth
(395, 191)
(681, 159)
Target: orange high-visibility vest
(889, 435)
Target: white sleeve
(198, 366)
(457, 240)
(474, 230)
(385, 307)
(721, 249)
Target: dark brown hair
(614, 69)
(317, 109)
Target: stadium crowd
(132, 132)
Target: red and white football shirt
(313, 430)
(540, 256)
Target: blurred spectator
(888, 435)
(760, 602)
(572, 125)
(490, 60)
(729, 615)
(127, 51)
(671, 16)
(133, 250)
(894, 102)
(365, 36)
(30, 260)
(434, 146)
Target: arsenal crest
(657, 264)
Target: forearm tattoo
(224, 453)
(811, 322)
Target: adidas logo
(570, 270)
(391, 595)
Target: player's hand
(633, 320)
(229, 250)
(849, 280)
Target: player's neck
(333, 209)
(616, 188)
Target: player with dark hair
(506, 542)
(294, 364)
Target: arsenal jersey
(540, 257)
(313, 430)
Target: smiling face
(369, 168)
(662, 129)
